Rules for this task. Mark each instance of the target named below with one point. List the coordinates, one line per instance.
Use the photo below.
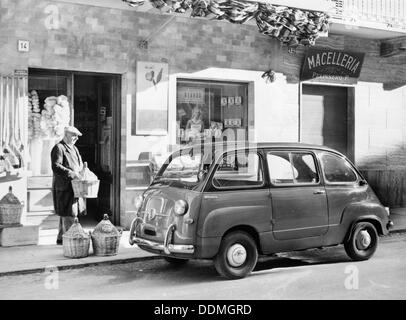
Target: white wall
(380, 131)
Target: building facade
(99, 57)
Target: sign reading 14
(23, 45)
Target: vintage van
(232, 202)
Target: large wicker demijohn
(106, 238)
(76, 241)
(10, 209)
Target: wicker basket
(106, 238)
(75, 247)
(85, 189)
(105, 245)
(10, 209)
(76, 242)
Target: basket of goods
(10, 208)
(106, 238)
(76, 241)
(87, 185)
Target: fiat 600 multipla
(232, 202)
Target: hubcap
(236, 255)
(364, 240)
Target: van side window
(292, 168)
(239, 169)
(337, 169)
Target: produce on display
(62, 115)
(291, 26)
(48, 122)
(34, 116)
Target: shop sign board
(21, 72)
(332, 66)
(190, 95)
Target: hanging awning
(291, 25)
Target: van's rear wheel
(363, 242)
(237, 256)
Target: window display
(209, 110)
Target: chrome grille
(157, 211)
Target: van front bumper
(165, 247)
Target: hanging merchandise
(11, 123)
(47, 120)
(62, 115)
(76, 242)
(291, 26)
(106, 238)
(35, 116)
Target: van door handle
(211, 197)
(319, 192)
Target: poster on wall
(151, 109)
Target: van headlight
(181, 207)
(138, 202)
(387, 211)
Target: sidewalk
(47, 255)
(30, 259)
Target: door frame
(116, 126)
(350, 113)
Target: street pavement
(31, 259)
(314, 274)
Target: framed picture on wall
(151, 103)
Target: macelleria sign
(332, 65)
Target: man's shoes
(59, 242)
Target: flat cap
(72, 129)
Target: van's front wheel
(237, 256)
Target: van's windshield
(184, 169)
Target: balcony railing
(382, 14)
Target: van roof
(232, 145)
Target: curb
(79, 266)
(397, 231)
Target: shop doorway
(94, 102)
(327, 117)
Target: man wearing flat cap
(66, 166)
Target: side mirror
(363, 183)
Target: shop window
(209, 110)
(49, 111)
